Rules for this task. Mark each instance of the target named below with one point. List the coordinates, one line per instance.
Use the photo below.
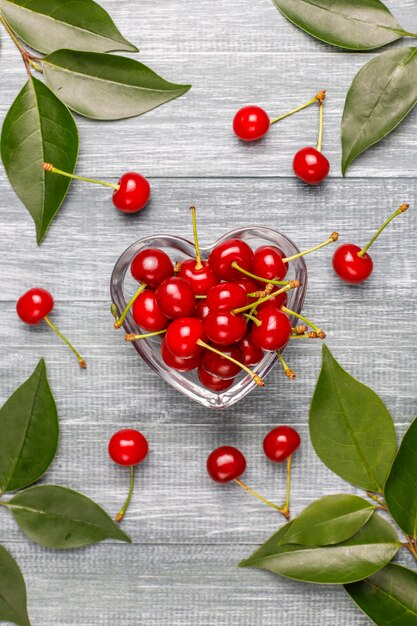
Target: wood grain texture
(189, 533)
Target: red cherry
(249, 286)
(274, 331)
(280, 443)
(221, 367)
(349, 266)
(226, 296)
(267, 263)
(251, 123)
(228, 252)
(251, 353)
(213, 382)
(276, 302)
(182, 336)
(146, 312)
(201, 309)
(224, 328)
(151, 266)
(311, 165)
(128, 447)
(133, 193)
(175, 298)
(226, 464)
(34, 305)
(201, 279)
(182, 365)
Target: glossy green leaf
(12, 591)
(47, 25)
(330, 520)
(351, 24)
(29, 432)
(105, 87)
(38, 128)
(351, 429)
(389, 597)
(57, 517)
(373, 546)
(401, 486)
(381, 95)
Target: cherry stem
(287, 370)
(28, 58)
(198, 264)
(124, 508)
(320, 139)
(133, 337)
(319, 97)
(258, 380)
(333, 237)
(257, 495)
(400, 210)
(48, 167)
(81, 361)
(320, 333)
(200, 297)
(299, 330)
(259, 278)
(309, 335)
(286, 507)
(253, 319)
(293, 284)
(122, 318)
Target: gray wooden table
(189, 533)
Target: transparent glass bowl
(123, 286)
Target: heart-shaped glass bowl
(123, 286)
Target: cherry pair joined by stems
(352, 263)
(227, 463)
(131, 194)
(252, 122)
(34, 307)
(128, 447)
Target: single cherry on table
(310, 164)
(279, 445)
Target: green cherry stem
(289, 373)
(258, 380)
(319, 97)
(124, 508)
(133, 337)
(48, 167)
(320, 333)
(198, 264)
(333, 237)
(400, 210)
(236, 266)
(122, 318)
(292, 284)
(286, 507)
(320, 139)
(261, 498)
(253, 319)
(80, 359)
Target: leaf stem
(198, 264)
(410, 545)
(319, 97)
(381, 502)
(400, 210)
(261, 498)
(80, 359)
(122, 318)
(50, 168)
(26, 56)
(120, 515)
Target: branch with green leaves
(49, 515)
(344, 539)
(80, 75)
(384, 91)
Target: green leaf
(13, 606)
(373, 546)
(57, 517)
(38, 128)
(29, 432)
(351, 24)
(105, 87)
(401, 486)
(351, 429)
(381, 95)
(388, 598)
(49, 25)
(330, 520)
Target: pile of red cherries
(217, 316)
